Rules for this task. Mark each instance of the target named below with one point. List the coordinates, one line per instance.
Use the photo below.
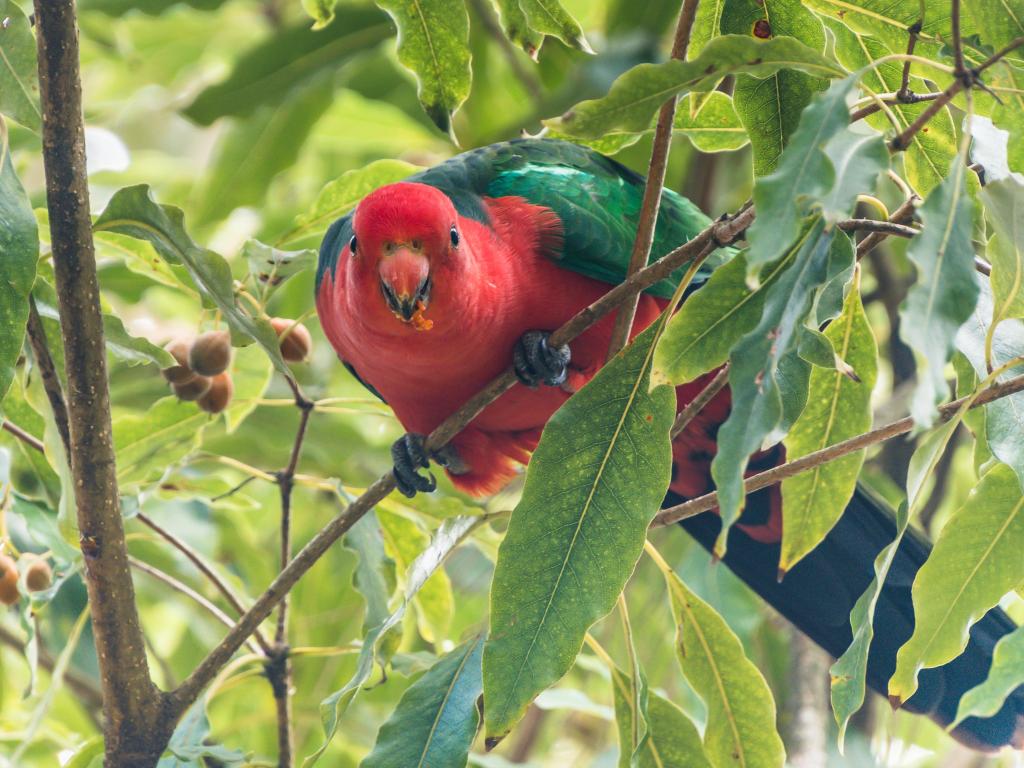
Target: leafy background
(239, 113)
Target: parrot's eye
(352, 245)
(454, 234)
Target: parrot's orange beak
(405, 280)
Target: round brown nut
(219, 395)
(295, 339)
(180, 373)
(39, 575)
(193, 389)
(9, 594)
(210, 353)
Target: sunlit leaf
(1004, 202)
(517, 28)
(715, 127)
(437, 718)
(433, 43)
(636, 95)
(594, 484)
(976, 560)
(148, 442)
(838, 408)
(550, 17)
(1004, 676)
(19, 83)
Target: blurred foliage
(222, 132)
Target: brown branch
(48, 373)
(723, 232)
(959, 70)
(705, 396)
(902, 214)
(135, 730)
(896, 98)
(873, 225)
(655, 183)
(30, 440)
(204, 568)
(778, 474)
(904, 94)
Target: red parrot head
(405, 234)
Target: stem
(904, 213)
(48, 373)
(30, 440)
(958, 51)
(872, 225)
(778, 474)
(655, 183)
(705, 396)
(135, 730)
(903, 94)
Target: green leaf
(699, 336)
(707, 25)
(190, 743)
(593, 485)
(838, 408)
(850, 670)
(976, 560)
(804, 175)
(999, 22)
(945, 292)
(1005, 675)
(1010, 114)
(271, 266)
(340, 196)
(19, 82)
(672, 739)
(550, 18)
(1004, 203)
(19, 251)
(321, 11)
(260, 146)
(286, 60)
(147, 443)
(714, 127)
(766, 382)
(437, 718)
(132, 211)
(374, 576)
(433, 43)
(448, 536)
(770, 108)
(740, 729)
(636, 95)
(517, 28)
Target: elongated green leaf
(976, 561)
(767, 378)
(838, 408)
(374, 576)
(770, 108)
(19, 251)
(1005, 675)
(517, 28)
(594, 484)
(945, 292)
(889, 21)
(272, 266)
(341, 195)
(448, 536)
(404, 539)
(433, 43)
(707, 25)
(1010, 114)
(287, 59)
(672, 739)
(132, 211)
(436, 719)
(636, 95)
(550, 18)
(699, 336)
(260, 146)
(714, 127)
(1004, 202)
(147, 443)
(804, 175)
(19, 83)
(850, 670)
(741, 728)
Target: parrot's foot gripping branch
(409, 453)
(536, 361)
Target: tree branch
(655, 183)
(134, 731)
(705, 396)
(778, 474)
(30, 440)
(48, 373)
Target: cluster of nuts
(38, 576)
(201, 373)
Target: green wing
(597, 199)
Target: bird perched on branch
(432, 286)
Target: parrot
(434, 285)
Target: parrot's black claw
(409, 455)
(535, 361)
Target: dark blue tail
(819, 592)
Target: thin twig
(903, 94)
(30, 440)
(959, 70)
(873, 225)
(655, 183)
(705, 396)
(778, 474)
(902, 214)
(894, 98)
(205, 569)
(722, 232)
(48, 374)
